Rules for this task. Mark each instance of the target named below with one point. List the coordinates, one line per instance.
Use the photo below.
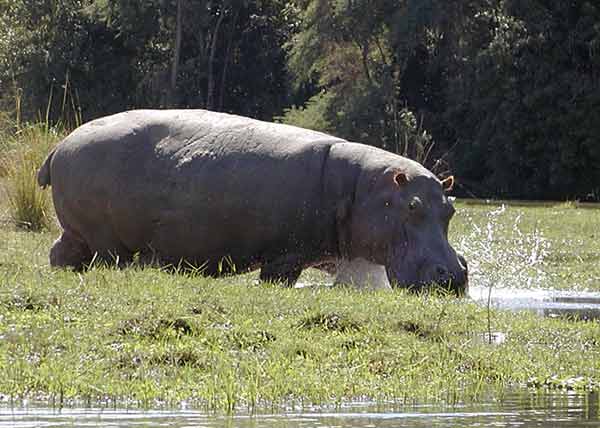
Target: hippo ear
(400, 179)
(448, 183)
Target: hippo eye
(414, 204)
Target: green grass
(144, 337)
(21, 154)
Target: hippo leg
(106, 247)
(69, 250)
(113, 254)
(284, 270)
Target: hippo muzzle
(454, 280)
(452, 277)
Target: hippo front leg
(284, 270)
(70, 251)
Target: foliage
(20, 159)
(529, 114)
(312, 116)
(348, 48)
(92, 58)
(506, 89)
(502, 92)
(57, 58)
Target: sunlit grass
(147, 337)
(21, 154)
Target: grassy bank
(144, 337)
(229, 344)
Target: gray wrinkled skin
(229, 194)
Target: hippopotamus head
(399, 218)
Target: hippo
(227, 194)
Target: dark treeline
(504, 93)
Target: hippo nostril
(453, 279)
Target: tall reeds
(21, 154)
(23, 148)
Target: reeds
(21, 155)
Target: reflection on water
(515, 410)
(583, 305)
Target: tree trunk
(210, 96)
(226, 61)
(176, 55)
(365, 61)
(364, 50)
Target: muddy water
(515, 410)
(582, 305)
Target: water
(583, 305)
(515, 410)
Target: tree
(526, 107)
(54, 58)
(349, 49)
(507, 89)
(103, 56)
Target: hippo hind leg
(284, 270)
(70, 251)
(108, 249)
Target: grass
(21, 154)
(144, 337)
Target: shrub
(21, 156)
(312, 116)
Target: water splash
(508, 269)
(501, 255)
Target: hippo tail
(43, 175)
